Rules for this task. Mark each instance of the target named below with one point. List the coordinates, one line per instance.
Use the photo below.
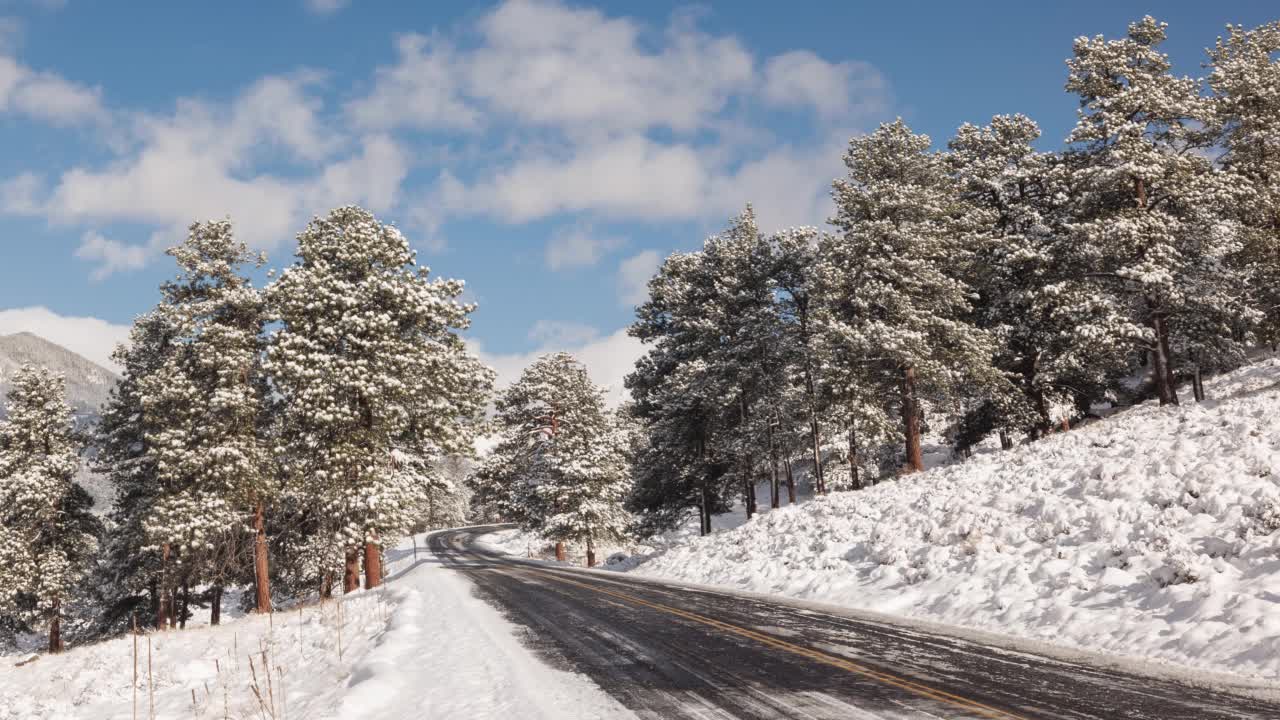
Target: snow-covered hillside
(1153, 533)
(88, 385)
(420, 646)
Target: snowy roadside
(422, 646)
(1154, 534)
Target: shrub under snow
(1153, 533)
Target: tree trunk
(185, 610)
(1066, 423)
(704, 510)
(791, 482)
(261, 577)
(855, 482)
(326, 585)
(1006, 442)
(164, 610)
(372, 563)
(154, 591)
(911, 421)
(1160, 370)
(775, 488)
(351, 571)
(215, 606)
(560, 551)
(173, 612)
(819, 480)
(591, 553)
(1197, 384)
(55, 628)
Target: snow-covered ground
(1151, 534)
(422, 646)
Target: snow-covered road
(673, 651)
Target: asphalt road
(668, 651)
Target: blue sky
(548, 153)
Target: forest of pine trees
(990, 289)
(276, 440)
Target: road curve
(668, 651)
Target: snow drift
(1152, 533)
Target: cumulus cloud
(607, 359)
(547, 64)
(200, 163)
(634, 274)
(47, 96)
(802, 79)
(111, 255)
(90, 337)
(578, 246)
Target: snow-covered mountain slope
(1155, 533)
(422, 646)
(88, 385)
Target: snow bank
(1152, 534)
(421, 646)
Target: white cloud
(557, 334)
(636, 178)
(578, 246)
(607, 359)
(47, 96)
(326, 7)
(634, 274)
(199, 163)
(89, 337)
(834, 90)
(546, 64)
(111, 255)
(420, 91)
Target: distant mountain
(88, 384)
(88, 387)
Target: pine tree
(207, 405)
(1152, 216)
(1057, 338)
(1245, 80)
(892, 300)
(49, 535)
(560, 468)
(130, 570)
(374, 381)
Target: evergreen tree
(130, 569)
(207, 400)
(1245, 81)
(892, 301)
(560, 468)
(1152, 216)
(374, 381)
(1057, 338)
(49, 536)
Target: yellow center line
(822, 657)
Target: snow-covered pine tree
(717, 377)
(49, 534)
(207, 405)
(1058, 340)
(891, 301)
(373, 378)
(795, 253)
(1153, 210)
(560, 468)
(1245, 80)
(129, 571)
